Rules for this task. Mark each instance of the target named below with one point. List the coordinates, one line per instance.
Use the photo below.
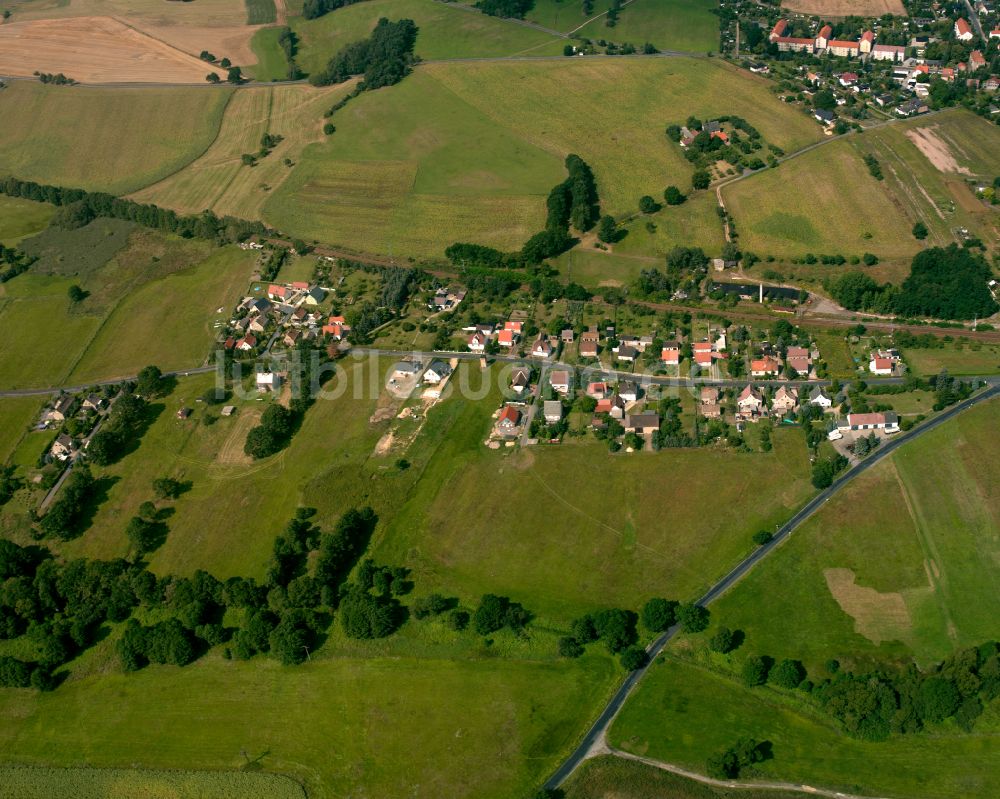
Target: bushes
(64, 514)
(496, 612)
(271, 435)
(506, 8)
(384, 58)
(823, 471)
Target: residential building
(506, 337)
(670, 355)
(560, 380)
(61, 408)
(882, 363)
(566, 336)
(520, 378)
(888, 52)
(268, 382)
(588, 344)
(597, 390)
(750, 402)
(436, 372)
(820, 398)
(976, 60)
(628, 390)
(247, 343)
(642, 423)
(627, 353)
(94, 402)
(844, 49)
(887, 421)
(786, 399)
(477, 341)
(510, 417)
(552, 410)
(315, 296)
(963, 30)
(765, 367)
(542, 348)
(63, 448)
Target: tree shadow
(165, 513)
(738, 638)
(150, 414)
(97, 495)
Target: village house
(510, 417)
(63, 448)
(887, 421)
(888, 52)
(566, 336)
(541, 348)
(589, 343)
(671, 355)
(477, 341)
(628, 390)
(786, 400)
(247, 343)
(560, 381)
(552, 410)
(709, 405)
(436, 372)
(749, 403)
(279, 293)
(976, 60)
(61, 409)
(799, 359)
(820, 398)
(642, 423)
(314, 296)
(268, 382)
(292, 338)
(520, 378)
(258, 324)
(883, 362)
(615, 406)
(627, 353)
(597, 390)
(446, 300)
(94, 402)
(506, 337)
(963, 30)
(406, 369)
(765, 367)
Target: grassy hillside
(133, 315)
(682, 713)
(920, 544)
(686, 25)
(115, 140)
(398, 174)
(900, 567)
(414, 727)
(446, 31)
(218, 180)
(22, 218)
(16, 413)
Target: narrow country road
(595, 736)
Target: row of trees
(944, 282)
(82, 206)
(384, 58)
(313, 9)
(14, 262)
(506, 8)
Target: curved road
(595, 735)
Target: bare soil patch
(95, 50)
(846, 8)
(231, 452)
(935, 150)
(878, 617)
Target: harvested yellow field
(215, 25)
(95, 50)
(846, 8)
(219, 181)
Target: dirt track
(95, 50)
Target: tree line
(944, 282)
(79, 207)
(313, 9)
(573, 201)
(384, 58)
(16, 262)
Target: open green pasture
(399, 176)
(445, 31)
(115, 140)
(690, 26)
(20, 219)
(682, 714)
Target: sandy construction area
(935, 150)
(846, 8)
(95, 50)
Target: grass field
(20, 219)
(834, 350)
(261, 12)
(516, 524)
(113, 140)
(970, 359)
(16, 413)
(608, 777)
(918, 535)
(168, 321)
(444, 32)
(790, 211)
(398, 174)
(682, 714)
(971, 141)
(27, 782)
(272, 63)
(396, 726)
(686, 25)
(151, 298)
(218, 180)
(695, 223)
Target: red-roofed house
(703, 359)
(276, 292)
(867, 42)
(880, 366)
(505, 338)
(247, 343)
(823, 37)
(871, 421)
(230, 343)
(298, 285)
(843, 48)
(791, 44)
(510, 417)
(721, 135)
(597, 390)
(848, 79)
(995, 33)
(516, 327)
(963, 31)
(671, 356)
(976, 60)
(778, 30)
(947, 74)
(765, 367)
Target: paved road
(41, 392)
(974, 17)
(597, 732)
